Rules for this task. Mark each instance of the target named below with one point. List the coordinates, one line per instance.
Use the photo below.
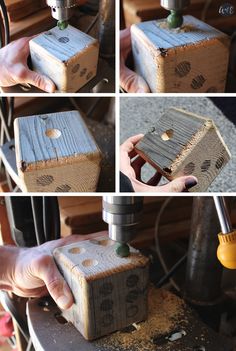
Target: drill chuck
(122, 214)
(175, 5)
(62, 10)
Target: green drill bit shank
(62, 25)
(175, 19)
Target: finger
(179, 184)
(39, 81)
(47, 271)
(128, 145)
(155, 179)
(131, 82)
(137, 165)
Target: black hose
(5, 22)
(36, 203)
(47, 218)
(171, 272)
(55, 212)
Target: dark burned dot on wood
(183, 69)
(44, 180)
(89, 75)
(106, 305)
(212, 90)
(132, 296)
(83, 72)
(64, 188)
(132, 311)
(205, 165)
(189, 168)
(107, 320)
(63, 40)
(220, 162)
(106, 289)
(132, 281)
(198, 82)
(76, 68)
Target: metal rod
(223, 214)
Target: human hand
(129, 80)
(32, 272)
(132, 169)
(14, 68)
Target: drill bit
(62, 25)
(122, 250)
(175, 19)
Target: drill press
(122, 214)
(175, 19)
(62, 10)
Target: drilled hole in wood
(106, 242)
(167, 135)
(199, 348)
(53, 133)
(90, 263)
(76, 250)
(60, 318)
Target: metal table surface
(49, 331)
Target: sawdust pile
(164, 309)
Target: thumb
(55, 283)
(40, 81)
(180, 184)
(131, 82)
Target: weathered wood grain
(182, 144)
(193, 58)
(68, 57)
(56, 152)
(110, 292)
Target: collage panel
(177, 46)
(170, 290)
(117, 212)
(177, 144)
(55, 144)
(62, 46)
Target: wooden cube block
(185, 144)
(110, 292)
(193, 58)
(68, 57)
(56, 153)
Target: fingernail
(189, 183)
(63, 302)
(140, 90)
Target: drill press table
(171, 326)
